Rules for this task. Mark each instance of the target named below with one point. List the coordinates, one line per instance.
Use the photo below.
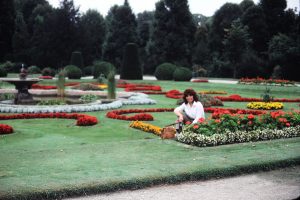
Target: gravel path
(282, 184)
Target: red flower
(5, 129)
(188, 123)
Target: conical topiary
(131, 68)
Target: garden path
(280, 184)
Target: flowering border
(146, 127)
(270, 81)
(236, 97)
(82, 119)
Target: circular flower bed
(5, 129)
(265, 105)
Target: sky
(205, 7)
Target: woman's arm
(199, 112)
(178, 112)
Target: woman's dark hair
(189, 92)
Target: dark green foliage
(111, 85)
(93, 31)
(131, 69)
(88, 71)
(48, 71)
(7, 26)
(34, 70)
(121, 30)
(277, 72)
(245, 4)
(169, 43)
(221, 22)
(236, 44)
(165, 71)
(254, 19)
(20, 40)
(76, 59)
(73, 72)
(3, 72)
(9, 67)
(182, 74)
(86, 86)
(102, 67)
(285, 51)
(266, 96)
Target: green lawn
(52, 158)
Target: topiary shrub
(165, 71)
(3, 72)
(102, 67)
(34, 70)
(182, 74)
(88, 71)
(111, 82)
(73, 72)
(131, 68)
(48, 72)
(76, 59)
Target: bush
(10, 67)
(182, 74)
(73, 72)
(165, 71)
(131, 68)
(88, 71)
(3, 72)
(76, 59)
(48, 72)
(34, 70)
(102, 67)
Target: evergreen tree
(274, 13)
(173, 34)
(131, 68)
(245, 4)
(236, 44)
(221, 22)
(7, 26)
(122, 29)
(254, 19)
(20, 40)
(93, 30)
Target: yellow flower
(146, 127)
(265, 105)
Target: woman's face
(190, 98)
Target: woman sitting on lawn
(191, 110)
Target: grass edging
(152, 181)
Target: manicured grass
(52, 158)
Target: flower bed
(82, 119)
(43, 87)
(236, 97)
(45, 77)
(146, 127)
(119, 114)
(233, 128)
(265, 105)
(200, 80)
(270, 81)
(5, 129)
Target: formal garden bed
(52, 158)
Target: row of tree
(239, 40)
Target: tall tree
(282, 50)
(236, 44)
(93, 30)
(222, 20)
(64, 34)
(173, 33)
(20, 40)
(274, 12)
(254, 19)
(122, 29)
(144, 30)
(7, 26)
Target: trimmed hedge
(165, 71)
(182, 74)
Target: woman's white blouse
(196, 111)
